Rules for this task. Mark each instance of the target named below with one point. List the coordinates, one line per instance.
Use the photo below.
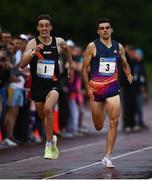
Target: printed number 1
(107, 67)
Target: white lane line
(62, 151)
(96, 163)
(133, 152)
(20, 161)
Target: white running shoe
(107, 162)
(52, 152)
(8, 142)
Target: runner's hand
(38, 48)
(129, 78)
(89, 91)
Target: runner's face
(44, 27)
(104, 30)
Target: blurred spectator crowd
(18, 118)
(134, 95)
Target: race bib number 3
(107, 66)
(45, 68)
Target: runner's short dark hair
(44, 16)
(103, 20)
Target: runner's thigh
(113, 107)
(98, 110)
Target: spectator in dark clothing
(5, 67)
(141, 88)
(128, 93)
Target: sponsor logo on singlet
(47, 52)
(115, 51)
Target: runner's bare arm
(125, 64)
(62, 47)
(86, 62)
(89, 53)
(27, 55)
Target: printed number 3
(107, 67)
(45, 69)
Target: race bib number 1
(45, 68)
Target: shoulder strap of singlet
(53, 41)
(96, 42)
(116, 44)
(37, 40)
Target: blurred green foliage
(76, 19)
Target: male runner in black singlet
(103, 88)
(42, 53)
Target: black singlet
(45, 72)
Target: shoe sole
(106, 165)
(51, 158)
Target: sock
(48, 144)
(107, 157)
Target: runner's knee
(98, 127)
(113, 124)
(98, 123)
(48, 109)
